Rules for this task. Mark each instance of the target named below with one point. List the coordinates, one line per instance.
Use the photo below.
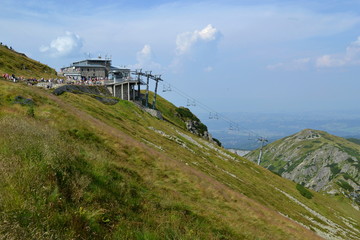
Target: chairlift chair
(190, 102)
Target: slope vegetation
(317, 160)
(72, 167)
(12, 62)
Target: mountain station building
(117, 80)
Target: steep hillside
(72, 167)
(315, 159)
(354, 140)
(12, 62)
(182, 117)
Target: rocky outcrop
(100, 93)
(96, 90)
(315, 159)
(194, 125)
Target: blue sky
(233, 56)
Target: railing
(121, 80)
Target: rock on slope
(316, 159)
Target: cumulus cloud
(197, 48)
(185, 41)
(66, 45)
(144, 58)
(145, 54)
(330, 61)
(350, 57)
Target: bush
(303, 191)
(217, 142)
(334, 169)
(186, 114)
(345, 185)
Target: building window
(87, 69)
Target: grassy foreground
(74, 168)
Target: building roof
(112, 68)
(94, 60)
(89, 66)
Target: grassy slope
(354, 140)
(12, 62)
(82, 169)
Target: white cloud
(330, 61)
(186, 40)
(209, 33)
(296, 64)
(66, 45)
(144, 59)
(144, 55)
(275, 66)
(208, 69)
(350, 57)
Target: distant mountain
(315, 159)
(276, 126)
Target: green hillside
(12, 62)
(354, 140)
(72, 167)
(316, 159)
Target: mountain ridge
(316, 159)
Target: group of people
(51, 82)
(84, 81)
(12, 77)
(31, 81)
